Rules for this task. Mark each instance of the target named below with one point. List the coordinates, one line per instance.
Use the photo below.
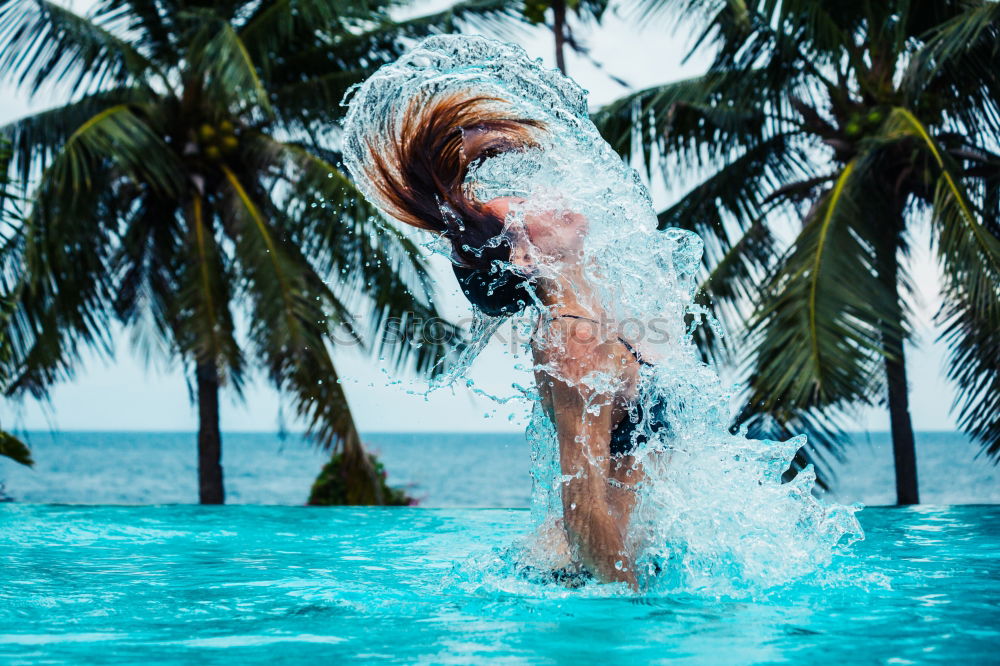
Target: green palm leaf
(13, 448)
(119, 136)
(38, 138)
(147, 24)
(969, 253)
(496, 17)
(818, 344)
(375, 261)
(275, 26)
(316, 69)
(952, 42)
(42, 41)
(228, 69)
(681, 120)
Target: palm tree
(192, 191)
(534, 12)
(10, 446)
(861, 120)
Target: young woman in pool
(420, 177)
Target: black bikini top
(624, 438)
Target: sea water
(265, 468)
(712, 512)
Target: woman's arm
(584, 419)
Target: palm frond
(143, 267)
(8, 204)
(370, 263)
(314, 100)
(118, 136)
(290, 324)
(42, 41)
(969, 253)
(211, 305)
(635, 123)
(307, 373)
(61, 254)
(183, 283)
(818, 339)
(59, 279)
(230, 72)
(148, 24)
(313, 73)
(970, 329)
(738, 191)
(13, 448)
(36, 139)
(275, 26)
(952, 42)
(495, 17)
(701, 122)
(730, 288)
(956, 71)
(273, 272)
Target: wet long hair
(419, 167)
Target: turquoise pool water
(250, 584)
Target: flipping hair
(419, 168)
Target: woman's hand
(597, 536)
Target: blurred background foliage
(10, 446)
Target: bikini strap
(573, 316)
(632, 350)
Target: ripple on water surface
(260, 584)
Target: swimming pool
(250, 584)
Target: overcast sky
(128, 394)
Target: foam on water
(712, 513)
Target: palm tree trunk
(362, 477)
(903, 450)
(559, 30)
(210, 488)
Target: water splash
(711, 513)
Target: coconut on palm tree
(862, 121)
(191, 191)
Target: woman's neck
(569, 292)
